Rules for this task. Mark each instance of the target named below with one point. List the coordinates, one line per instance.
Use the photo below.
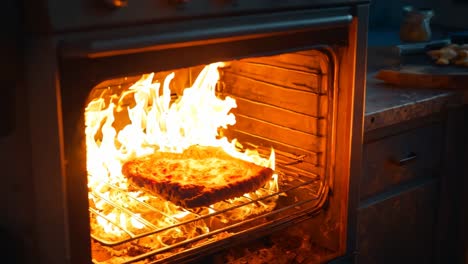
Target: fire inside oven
(223, 149)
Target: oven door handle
(212, 34)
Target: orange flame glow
(157, 124)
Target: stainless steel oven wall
(62, 68)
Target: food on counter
(451, 54)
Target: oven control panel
(78, 15)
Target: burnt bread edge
(193, 195)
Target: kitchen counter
(388, 105)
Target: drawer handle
(411, 156)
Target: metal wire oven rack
(295, 191)
(130, 235)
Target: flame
(157, 124)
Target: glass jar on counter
(415, 25)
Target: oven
(275, 85)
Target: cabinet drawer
(399, 158)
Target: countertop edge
(388, 105)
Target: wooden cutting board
(426, 76)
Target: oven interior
(275, 111)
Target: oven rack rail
(153, 229)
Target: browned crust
(193, 194)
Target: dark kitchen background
(15, 234)
(388, 219)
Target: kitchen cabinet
(413, 197)
(407, 190)
(399, 228)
